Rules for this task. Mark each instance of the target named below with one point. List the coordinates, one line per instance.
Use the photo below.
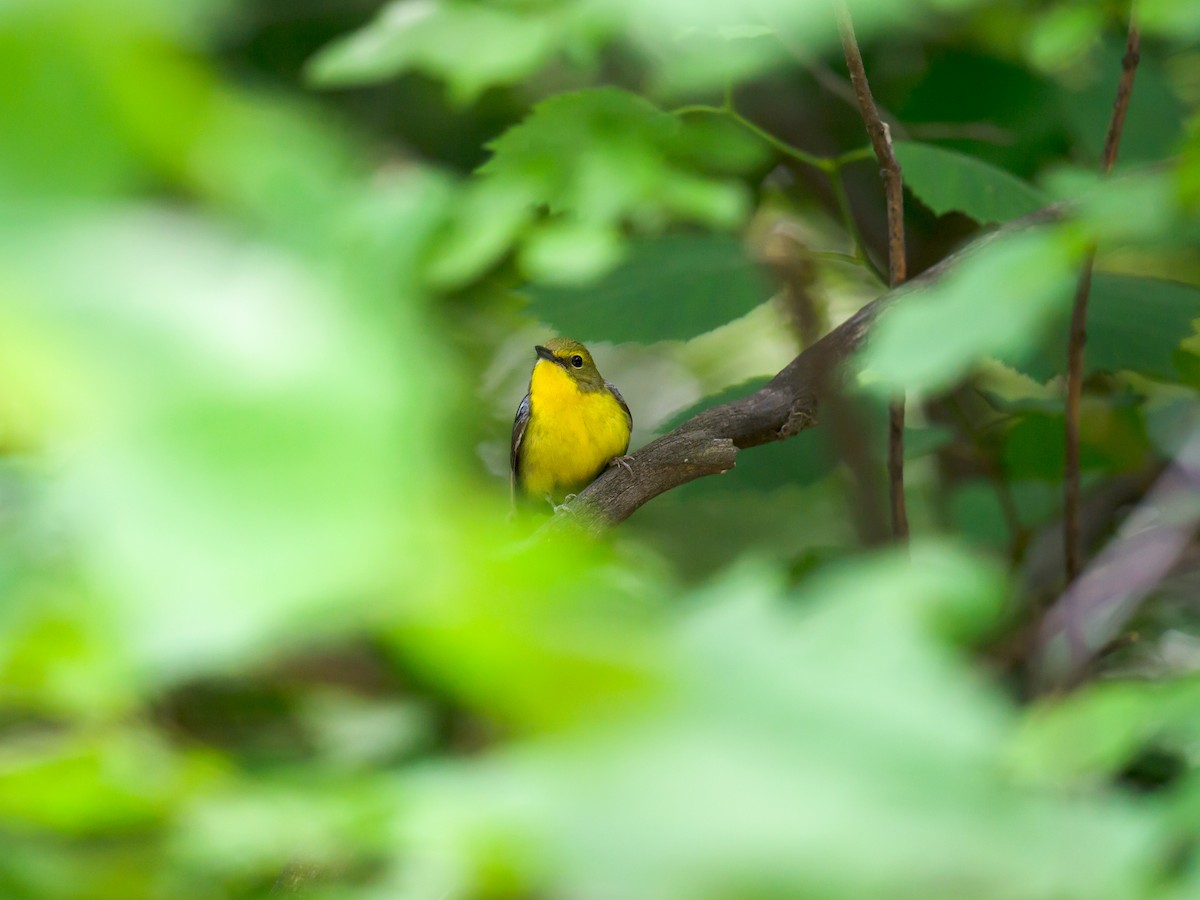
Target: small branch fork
(893, 185)
(1072, 533)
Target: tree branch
(708, 443)
(893, 186)
(1072, 540)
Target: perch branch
(708, 443)
(893, 186)
(1072, 541)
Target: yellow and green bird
(570, 426)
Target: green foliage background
(270, 276)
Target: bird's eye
(577, 361)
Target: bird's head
(574, 359)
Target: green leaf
(1134, 324)
(606, 155)
(672, 288)
(472, 46)
(1113, 439)
(1137, 208)
(567, 251)
(886, 781)
(993, 303)
(600, 162)
(486, 220)
(1137, 323)
(205, 363)
(946, 180)
(1064, 34)
(120, 781)
(1097, 731)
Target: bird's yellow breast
(572, 433)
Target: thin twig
(821, 163)
(893, 186)
(1072, 540)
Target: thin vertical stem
(893, 186)
(1072, 532)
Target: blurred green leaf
(604, 154)
(539, 634)
(265, 623)
(1095, 732)
(219, 389)
(1064, 34)
(81, 785)
(887, 780)
(598, 161)
(946, 180)
(1132, 208)
(570, 252)
(1173, 19)
(716, 143)
(472, 46)
(671, 288)
(990, 304)
(703, 46)
(487, 219)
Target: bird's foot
(559, 507)
(625, 462)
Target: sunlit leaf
(472, 46)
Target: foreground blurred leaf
(472, 46)
(675, 287)
(475, 45)
(989, 305)
(232, 429)
(946, 180)
(536, 635)
(1095, 732)
(774, 779)
(120, 782)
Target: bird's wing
(520, 423)
(625, 406)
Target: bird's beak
(544, 353)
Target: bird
(571, 425)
